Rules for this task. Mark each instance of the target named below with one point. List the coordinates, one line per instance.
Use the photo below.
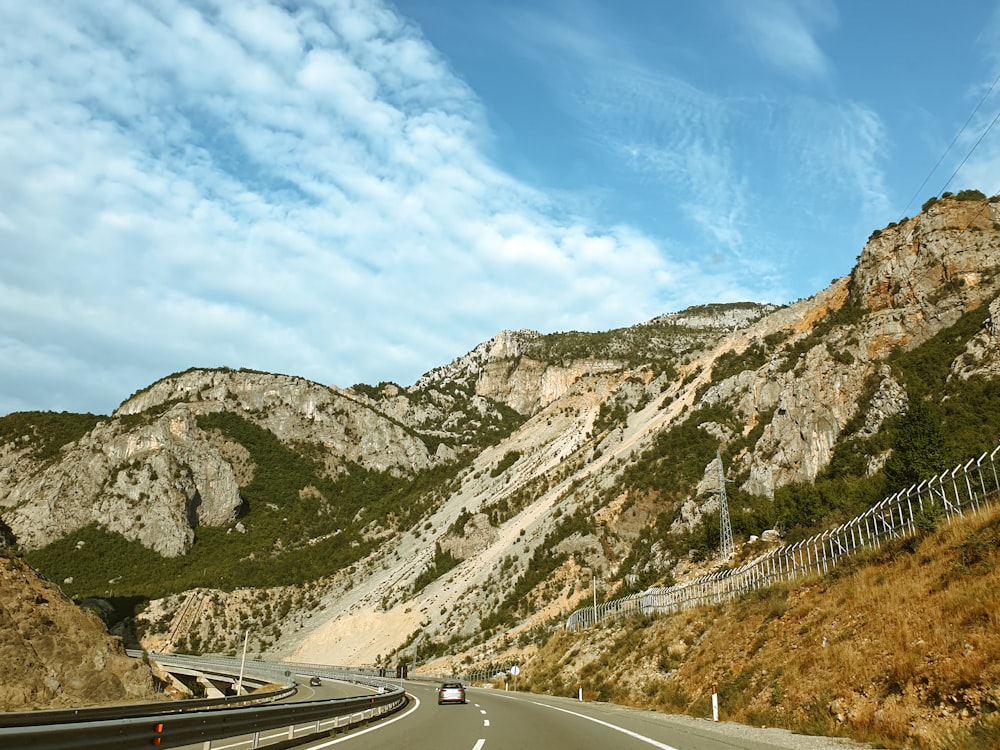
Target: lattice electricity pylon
(727, 549)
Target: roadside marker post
(715, 703)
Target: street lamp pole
(239, 682)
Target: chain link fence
(955, 493)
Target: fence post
(973, 500)
(993, 464)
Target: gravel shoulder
(743, 736)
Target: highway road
(328, 688)
(498, 720)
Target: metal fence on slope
(965, 489)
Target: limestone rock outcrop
(54, 654)
(152, 483)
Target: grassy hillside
(900, 648)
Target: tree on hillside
(917, 453)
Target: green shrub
(45, 432)
(733, 363)
(917, 452)
(970, 195)
(509, 459)
(443, 561)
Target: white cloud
(263, 28)
(840, 148)
(783, 33)
(301, 192)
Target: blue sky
(356, 191)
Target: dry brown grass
(900, 648)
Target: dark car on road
(451, 692)
(315, 681)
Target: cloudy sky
(357, 190)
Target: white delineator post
(715, 704)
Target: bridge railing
(965, 489)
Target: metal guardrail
(197, 722)
(967, 487)
(97, 713)
(174, 730)
(71, 715)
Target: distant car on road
(451, 692)
(315, 681)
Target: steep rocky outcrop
(730, 317)
(54, 654)
(151, 474)
(295, 410)
(152, 483)
(913, 265)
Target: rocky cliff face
(294, 409)
(151, 474)
(912, 266)
(54, 654)
(151, 483)
(532, 441)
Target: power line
(952, 144)
(974, 147)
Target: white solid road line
(387, 722)
(629, 732)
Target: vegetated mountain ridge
(467, 514)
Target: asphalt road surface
(326, 689)
(499, 720)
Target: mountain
(461, 519)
